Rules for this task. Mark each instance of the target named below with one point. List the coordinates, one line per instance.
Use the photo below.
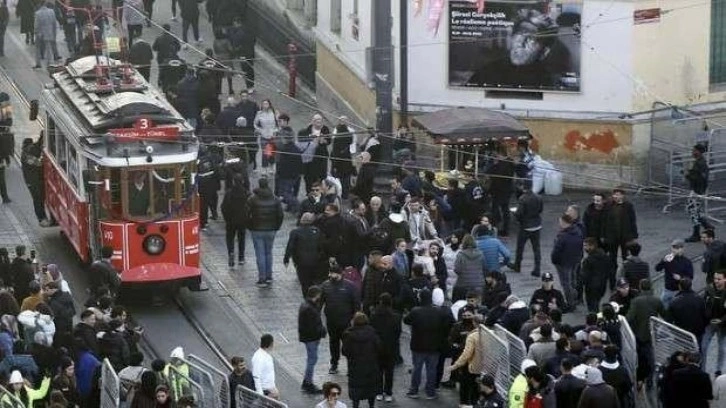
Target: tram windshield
(152, 192)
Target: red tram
(119, 168)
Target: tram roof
(119, 105)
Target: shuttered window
(717, 72)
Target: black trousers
(306, 274)
(612, 250)
(38, 205)
(248, 70)
(468, 388)
(3, 185)
(145, 72)
(387, 376)
(501, 213)
(593, 299)
(336, 337)
(235, 231)
(371, 403)
(533, 237)
(134, 31)
(3, 27)
(207, 202)
(194, 23)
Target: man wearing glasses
(331, 392)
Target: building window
(336, 14)
(355, 22)
(717, 74)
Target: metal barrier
(247, 398)
(214, 381)
(495, 358)
(180, 385)
(9, 400)
(668, 339)
(110, 386)
(516, 350)
(628, 352)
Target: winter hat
(593, 376)
(438, 297)
(15, 377)
(526, 363)
(177, 353)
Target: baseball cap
(487, 379)
(547, 277)
(678, 243)
(622, 282)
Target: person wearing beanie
(65, 382)
(597, 393)
(21, 389)
(615, 375)
(304, 247)
(489, 396)
(265, 215)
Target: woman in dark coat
(26, 12)
(145, 397)
(361, 346)
(387, 324)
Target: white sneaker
(389, 398)
(379, 397)
(200, 40)
(173, 18)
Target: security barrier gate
(516, 350)
(214, 381)
(110, 386)
(668, 339)
(495, 358)
(247, 398)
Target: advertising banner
(520, 45)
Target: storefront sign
(526, 45)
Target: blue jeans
(286, 190)
(720, 333)
(667, 297)
(431, 360)
(262, 241)
(311, 348)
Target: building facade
(583, 75)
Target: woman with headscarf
(145, 397)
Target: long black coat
(26, 12)
(620, 226)
(362, 348)
(387, 324)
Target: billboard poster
(519, 45)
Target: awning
(470, 126)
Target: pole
(292, 69)
(403, 56)
(383, 73)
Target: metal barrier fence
(110, 386)
(247, 398)
(180, 385)
(495, 358)
(516, 350)
(629, 352)
(668, 339)
(9, 400)
(214, 381)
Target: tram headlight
(154, 244)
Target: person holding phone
(676, 266)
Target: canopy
(470, 126)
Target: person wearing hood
(396, 227)
(715, 249)
(179, 384)
(597, 394)
(265, 215)
(541, 391)
(428, 326)
(362, 348)
(615, 375)
(39, 320)
(387, 324)
(437, 299)
(489, 396)
(21, 389)
(494, 251)
(468, 268)
(20, 360)
(520, 386)
(595, 273)
(566, 255)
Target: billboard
(520, 45)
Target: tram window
(185, 184)
(163, 190)
(72, 165)
(61, 156)
(139, 193)
(50, 134)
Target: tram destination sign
(144, 129)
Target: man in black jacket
(310, 330)
(615, 375)
(595, 273)
(501, 187)
(593, 218)
(340, 302)
(428, 324)
(712, 257)
(568, 388)
(265, 215)
(529, 216)
(103, 273)
(235, 211)
(566, 255)
(689, 386)
(21, 274)
(716, 311)
(688, 310)
(288, 169)
(619, 225)
(697, 176)
(240, 375)
(305, 247)
(141, 55)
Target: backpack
(352, 275)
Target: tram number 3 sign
(144, 128)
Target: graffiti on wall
(602, 141)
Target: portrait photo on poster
(519, 45)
